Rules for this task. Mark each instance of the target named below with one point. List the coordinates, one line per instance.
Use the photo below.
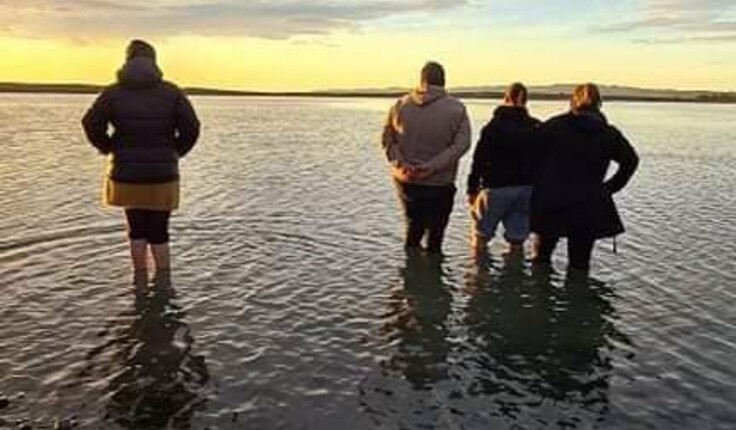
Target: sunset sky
(321, 44)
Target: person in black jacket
(153, 125)
(572, 197)
(500, 180)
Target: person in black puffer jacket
(572, 197)
(153, 125)
(500, 180)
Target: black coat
(152, 120)
(571, 196)
(503, 155)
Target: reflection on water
(158, 380)
(291, 278)
(544, 348)
(408, 393)
(523, 349)
(419, 309)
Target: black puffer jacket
(570, 196)
(503, 155)
(153, 125)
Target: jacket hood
(428, 95)
(511, 112)
(509, 117)
(588, 121)
(139, 72)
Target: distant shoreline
(685, 97)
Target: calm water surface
(293, 305)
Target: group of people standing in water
(548, 178)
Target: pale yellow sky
(320, 45)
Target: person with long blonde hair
(572, 196)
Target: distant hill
(612, 92)
(544, 92)
(12, 87)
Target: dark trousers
(579, 250)
(148, 225)
(427, 211)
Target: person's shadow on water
(543, 345)
(157, 380)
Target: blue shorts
(509, 205)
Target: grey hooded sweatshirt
(427, 129)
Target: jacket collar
(139, 72)
(424, 96)
(588, 120)
(515, 112)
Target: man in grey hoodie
(425, 135)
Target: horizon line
(635, 94)
(391, 88)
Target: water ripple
(292, 305)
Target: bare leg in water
(149, 229)
(162, 263)
(139, 255)
(514, 248)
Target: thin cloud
(277, 19)
(654, 22)
(679, 21)
(693, 39)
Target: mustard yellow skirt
(158, 197)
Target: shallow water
(293, 306)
